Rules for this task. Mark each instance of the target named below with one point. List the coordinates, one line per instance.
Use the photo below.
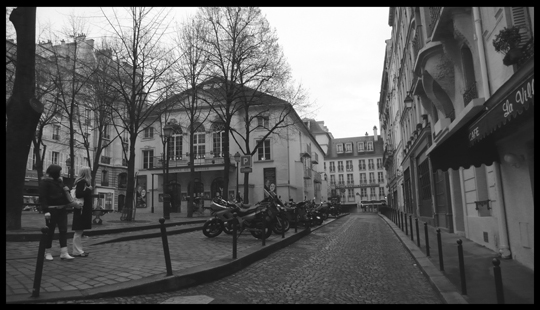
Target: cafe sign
(513, 104)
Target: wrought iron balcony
(105, 160)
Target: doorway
(121, 202)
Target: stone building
(464, 113)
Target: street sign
(246, 170)
(245, 161)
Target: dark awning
(455, 152)
(516, 102)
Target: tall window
(371, 165)
(104, 178)
(380, 177)
(199, 142)
(263, 150)
(324, 165)
(148, 157)
(348, 164)
(348, 147)
(363, 179)
(149, 132)
(339, 148)
(379, 163)
(372, 177)
(332, 167)
(363, 193)
(174, 147)
(350, 194)
(218, 134)
(381, 192)
(56, 132)
(341, 180)
(332, 179)
(340, 166)
(373, 193)
(362, 164)
(350, 179)
(55, 158)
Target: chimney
(374, 133)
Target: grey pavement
(138, 266)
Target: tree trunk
(131, 179)
(22, 118)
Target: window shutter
(520, 19)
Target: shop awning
(455, 152)
(516, 102)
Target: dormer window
(339, 148)
(348, 147)
(263, 121)
(360, 146)
(369, 146)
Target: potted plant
(507, 43)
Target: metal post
(427, 239)
(417, 232)
(283, 230)
(406, 226)
(461, 268)
(234, 241)
(401, 216)
(166, 206)
(165, 247)
(498, 281)
(439, 244)
(410, 223)
(152, 193)
(39, 263)
(296, 224)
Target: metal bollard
(234, 241)
(283, 230)
(39, 263)
(410, 223)
(399, 219)
(439, 244)
(498, 281)
(402, 222)
(461, 268)
(417, 232)
(296, 224)
(406, 226)
(165, 247)
(427, 239)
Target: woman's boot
(64, 254)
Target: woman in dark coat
(82, 218)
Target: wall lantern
(408, 100)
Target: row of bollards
(400, 219)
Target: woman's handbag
(73, 202)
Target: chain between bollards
(439, 244)
(498, 281)
(165, 247)
(427, 239)
(417, 232)
(234, 240)
(410, 223)
(461, 268)
(39, 263)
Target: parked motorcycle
(335, 209)
(277, 214)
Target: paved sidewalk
(130, 267)
(518, 280)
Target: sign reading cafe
(514, 103)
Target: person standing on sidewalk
(52, 195)
(82, 218)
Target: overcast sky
(337, 53)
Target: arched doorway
(217, 187)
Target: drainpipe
(481, 51)
(504, 248)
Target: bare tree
(23, 111)
(191, 72)
(140, 63)
(252, 73)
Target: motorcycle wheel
(325, 216)
(277, 227)
(319, 220)
(257, 233)
(212, 228)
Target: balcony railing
(470, 93)
(183, 161)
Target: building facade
(355, 171)
(463, 103)
(289, 160)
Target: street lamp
(408, 100)
(168, 131)
(237, 160)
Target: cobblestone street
(356, 259)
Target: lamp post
(237, 160)
(168, 130)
